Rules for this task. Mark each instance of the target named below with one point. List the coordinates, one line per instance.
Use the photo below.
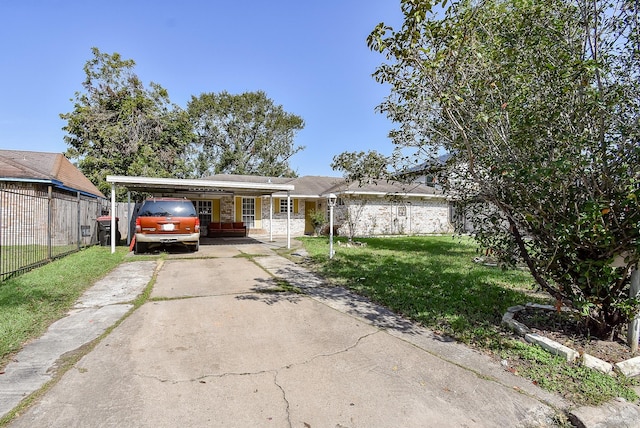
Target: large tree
(120, 127)
(242, 134)
(538, 103)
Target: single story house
(46, 206)
(362, 209)
(43, 195)
(369, 209)
(41, 170)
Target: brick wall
(280, 219)
(383, 217)
(372, 217)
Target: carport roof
(151, 184)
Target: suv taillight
(138, 227)
(197, 225)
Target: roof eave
(160, 183)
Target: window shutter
(276, 205)
(215, 207)
(258, 208)
(295, 206)
(238, 209)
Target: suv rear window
(152, 208)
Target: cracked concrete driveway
(216, 345)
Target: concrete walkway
(219, 345)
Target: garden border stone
(629, 368)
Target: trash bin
(104, 230)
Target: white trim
(288, 220)
(196, 184)
(113, 218)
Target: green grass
(14, 258)
(31, 302)
(434, 281)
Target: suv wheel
(140, 248)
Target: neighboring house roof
(41, 167)
(427, 167)
(311, 186)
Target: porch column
(128, 217)
(113, 218)
(288, 219)
(270, 218)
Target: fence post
(633, 332)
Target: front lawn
(434, 281)
(30, 302)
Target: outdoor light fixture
(331, 201)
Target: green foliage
(361, 167)
(318, 219)
(242, 134)
(538, 103)
(119, 127)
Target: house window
(249, 212)
(402, 211)
(283, 206)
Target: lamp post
(331, 201)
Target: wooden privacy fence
(39, 223)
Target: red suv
(163, 221)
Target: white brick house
(365, 210)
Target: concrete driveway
(218, 345)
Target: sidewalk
(218, 345)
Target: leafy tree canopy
(242, 134)
(538, 103)
(120, 127)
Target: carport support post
(270, 218)
(288, 219)
(113, 218)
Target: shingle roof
(310, 186)
(53, 167)
(313, 185)
(249, 178)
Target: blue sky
(310, 57)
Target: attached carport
(186, 188)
